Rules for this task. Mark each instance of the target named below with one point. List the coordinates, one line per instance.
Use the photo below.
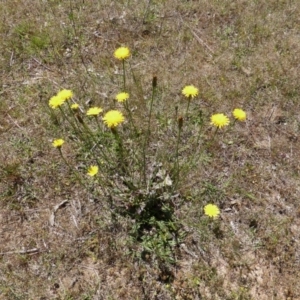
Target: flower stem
(78, 177)
(127, 108)
(68, 120)
(230, 125)
(96, 143)
(124, 76)
(180, 122)
(148, 133)
(120, 149)
(212, 138)
(188, 106)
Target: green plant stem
(125, 104)
(76, 122)
(212, 138)
(207, 146)
(177, 158)
(215, 133)
(148, 133)
(120, 149)
(98, 124)
(199, 134)
(188, 106)
(127, 108)
(124, 75)
(78, 177)
(90, 133)
(150, 112)
(73, 124)
(105, 183)
(76, 35)
(68, 120)
(230, 125)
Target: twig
(56, 207)
(16, 124)
(37, 61)
(202, 42)
(33, 250)
(11, 59)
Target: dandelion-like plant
(121, 97)
(55, 102)
(92, 170)
(74, 106)
(65, 94)
(219, 120)
(136, 177)
(212, 210)
(94, 111)
(59, 99)
(190, 92)
(239, 114)
(113, 118)
(58, 143)
(122, 53)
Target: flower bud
(154, 81)
(180, 122)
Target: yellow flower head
(122, 53)
(121, 97)
(94, 111)
(65, 94)
(219, 120)
(113, 118)
(55, 102)
(58, 143)
(190, 91)
(93, 170)
(74, 106)
(211, 210)
(239, 114)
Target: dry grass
(240, 54)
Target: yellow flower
(113, 118)
(219, 120)
(65, 94)
(94, 111)
(121, 97)
(190, 91)
(239, 114)
(74, 106)
(58, 143)
(211, 210)
(93, 170)
(122, 53)
(55, 102)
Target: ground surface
(239, 54)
